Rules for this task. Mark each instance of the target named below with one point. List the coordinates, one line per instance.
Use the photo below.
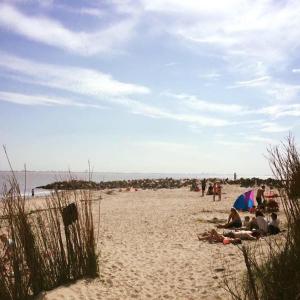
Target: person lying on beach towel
(214, 237)
(234, 220)
(245, 235)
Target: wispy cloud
(253, 82)
(74, 79)
(259, 139)
(277, 111)
(296, 70)
(235, 144)
(272, 127)
(156, 112)
(51, 32)
(102, 87)
(254, 28)
(239, 33)
(171, 64)
(195, 103)
(88, 11)
(168, 146)
(275, 89)
(32, 99)
(210, 75)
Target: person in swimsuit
(214, 237)
(260, 196)
(234, 220)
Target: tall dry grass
(273, 270)
(46, 253)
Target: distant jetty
(163, 183)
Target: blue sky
(148, 86)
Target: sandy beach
(149, 248)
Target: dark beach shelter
(244, 201)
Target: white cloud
(237, 31)
(281, 91)
(156, 112)
(277, 111)
(190, 7)
(168, 146)
(253, 82)
(275, 89)
(235, 144)
(94, 83)
(26, 99)
(74, 79)
(259, 139)
(195, 103)
(89, 11)
(53, 33)
(296, 70)
(171, 64)
(273, 127)
(210, 76)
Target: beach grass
(46, 251)
(273, 271)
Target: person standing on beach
(214, 191)
(260, 196)
(203, 186)
(219, 191)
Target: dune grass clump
(50, 246)
(273, 269)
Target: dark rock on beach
(163, 183)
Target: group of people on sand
(248, 230)
(214, 189)
(266, 201)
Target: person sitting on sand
(214, 237)
(273, 226)
(234, 220)
(261, 222)
(253, 224)
(246, 223)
